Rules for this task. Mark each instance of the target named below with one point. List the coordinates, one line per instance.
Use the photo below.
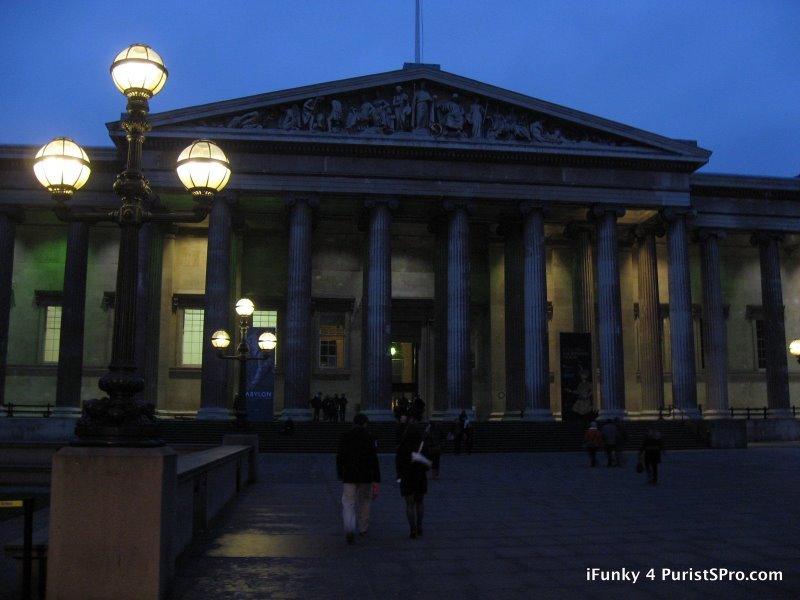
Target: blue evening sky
(723, 72)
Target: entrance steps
(488, 436)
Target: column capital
(703, 234)
(671, 214)
(14, 213)
(290, 200)
(450, 205)
(641, 231)
(527, 206)
(390, 202)
(599, 210)
(760, 238)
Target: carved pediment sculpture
(418, 109)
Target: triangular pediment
(421, 105)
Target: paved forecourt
(514, 526)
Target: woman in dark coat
(413, 478)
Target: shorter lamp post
(794, 349)
(221, 340)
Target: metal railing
(27, 410)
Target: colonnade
(527, 359)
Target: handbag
(419, 457)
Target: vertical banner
(577, 389)
(260, 379)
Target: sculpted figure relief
(451, 116)
(432, 111)
(402, 110)
(423, 108)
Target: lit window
(192, 347)
(265, 318)
(331, 341)
(52, 334)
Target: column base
(510, 415)
(691, 413)
(538, 414)
(645, 415)
(379, 415)
(716, 413)
(609, 414)
(213, 413)
(296, 414)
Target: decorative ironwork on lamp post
(221, 340)
(62, 167)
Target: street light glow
(203, 168)
(139, 71)
(62, 166)
(244, 307)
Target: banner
(577, 389)
(260, 379)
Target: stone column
(459, 364)
(612, 373)
(514, 311)
(715, 339)
(148, 307)
(73, 309)
(439, 229)
(774, 327)
(684, 373)
(584, 319)
(377, 303)
(537, 351)
(8, 227)
(214, 400)
(297, 380)
(651, 359)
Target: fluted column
(73, 307)
(514, 311)
(774, 327)
(715, 338)
(537, 351)
(684, 372)
(377, 304)
(583, 297)
(459, 364)
(651, 359)
(214, 400)
(439, 229)
(297, 381)
(612, 374)
(8, 228)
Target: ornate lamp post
(794, 349)
(221, 340)
(63, 167)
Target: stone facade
(454, 221)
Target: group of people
(357, 466)
(612, 437)
(412, 410)
(332, 408)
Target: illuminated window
(192, 344)
(52, 334)
(331, 341)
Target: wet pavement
(497, 526)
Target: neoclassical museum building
(409, 233)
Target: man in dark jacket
(357, 466)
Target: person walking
(591, 441)
(434, 438)
(358, 468)
(609, 434)
(412, 463)
(650, 451)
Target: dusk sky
(724, 72)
